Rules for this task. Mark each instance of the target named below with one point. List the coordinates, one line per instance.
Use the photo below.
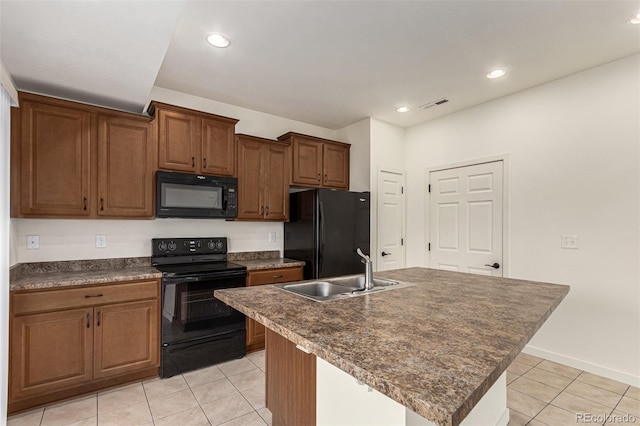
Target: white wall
(75, 239)
(574, 153)
(358, 135)
(387, 151)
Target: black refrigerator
(325, 227)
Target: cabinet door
(125, 167)
(178, 141)
(55, 160)
(335, 166)
(250, 186)
(276, 182)
(218, 148)
(255, 330)
(307, 162)
(50, 351)
(126, 338)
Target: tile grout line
(196, 398)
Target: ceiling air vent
(434, 103)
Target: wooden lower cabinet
(126, 338)
(255, 330)
(51, 351)
(77, 349)
(291, 382)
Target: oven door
(190, 311)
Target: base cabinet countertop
(436, 348)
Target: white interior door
(466, 219)
(391, 220)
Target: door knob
(385, 253)
(495, 265)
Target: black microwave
(196, 196)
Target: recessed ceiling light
(218, 40)
(403, 109)
(635, 19)
(496, 73)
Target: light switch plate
(101, 241)
(569, 241)
(33, 242)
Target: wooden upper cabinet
(194, 141)
(335, 165)
(276, 179)
(250, 185)
(218, 147)
(317, 162)
(307, 162)
(77, 160)
(126, 153)
(55, 159)
(263, 179)
(178, 141)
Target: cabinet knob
(262, 211)
(98, 323)
(102, 204)
(84, 202)
(204, 163)
(266, 211)
(318, 177)
(88, 321)
(193, 161)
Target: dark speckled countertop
(436, 347)
(40, 275)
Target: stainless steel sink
(340, 288)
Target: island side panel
(291, 382)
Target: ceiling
(328, 63)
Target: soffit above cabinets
(325, 63)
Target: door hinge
(401, 241)
(429, 187)
(402, 189)
(429, 246)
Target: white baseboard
(504, 418)
(609, 373)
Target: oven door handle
(203, 277)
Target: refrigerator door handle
(321, 250)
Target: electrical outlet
(101, 241)
(569, 241)
(272, 237)
(33, 242)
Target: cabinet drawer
(272, 276)
(52, 300)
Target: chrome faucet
(368, 271)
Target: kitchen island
(436, 348)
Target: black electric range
(198, 330)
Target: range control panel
(188, 246)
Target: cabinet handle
(204, 163)
(262, 211)
(88, 321)
(193, 161)
(84, 202)
(266, 211)
(277, 276)
(98, 318)
(318, 177)
(102, 204)
(88, 296)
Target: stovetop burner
(185, 256)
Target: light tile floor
(539, 392)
